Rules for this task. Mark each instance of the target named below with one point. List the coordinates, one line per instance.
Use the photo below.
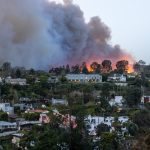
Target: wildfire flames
(128, 58)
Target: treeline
(106, 66)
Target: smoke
(39, 33)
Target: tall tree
(18, 73)
(67, 68)
(6, 67)
(106, 90)
(132, 129)
(75, 69)
(101, 128)
(98, 69)
(109, 142)
(133, 97)
(122, 66)
(106, 66)
(94, 66)
(84, 68)
(136, 67)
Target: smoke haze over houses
(39, 33)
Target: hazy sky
(129, 21)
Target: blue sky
(129, 21)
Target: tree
(18, 73)
(32, 71)
(32, 116)
(136, 67)
(6, 67)
(3, 116)
(133, 97)
(75, 69)
(106, 64)
(138, 82)
(141, 62)
(142, 119)
(122, 66)
(94, 66)
(101, 128)
(108, 141)
(98, 69)
(63, 79)
(84, 68)
(132, 129)
(67, 69)
(106, 90)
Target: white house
(6, 108)
(93, 121)
(117, 101)
(7, 125)
(84, 78)
(59, 102)
(117, 78)
(17, 81)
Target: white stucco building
(7, 125)
(17, 81)
(117, 78)
(93, 121)
(117, 101)
(84, 78)
(6, 108)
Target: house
(27, 125)
(67, 119)
(116, 101)
(117, 78)
(7, 125)
(92, 122)
(6, 108)
(53, 79)
(17, 81)
(22, 107)
(26, 103)
(145, 99)
(44, 118)
(84, 78)
(59, 102)
(131, 76)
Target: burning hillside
(39, 33)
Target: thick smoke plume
(39, 33)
